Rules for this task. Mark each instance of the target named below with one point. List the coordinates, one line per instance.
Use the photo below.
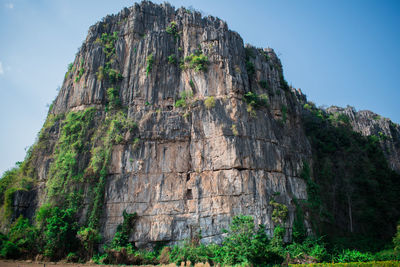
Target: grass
(352, 264)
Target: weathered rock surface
(192, 167)
(190, 172)
(369, 123)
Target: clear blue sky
(338, 52)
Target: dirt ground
(10, 263)
(4, 263)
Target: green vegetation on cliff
(354, 194)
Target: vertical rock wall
(193, 167)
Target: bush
(234, 130)
(150, 62)
(251, 70)
(197, 61)
(194, 254)
(6, 180)
(173, 30)
(121, 237)
(255, 100)
(309, 247)
(183, 102)
(387, 255)
(113, 98)
(172, 59)
(209, 102)
(9, 250)
(22, 240)
(245, 244)
(60, 227)
(353, 256)
(237, 244)
(89, 237)
(279, 213)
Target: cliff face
(190, 167)
(167, 114)
(369, 123)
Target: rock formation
(369, 123)
(167, 114)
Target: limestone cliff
(167, 114)
(195, 166)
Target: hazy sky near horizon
(339, 52)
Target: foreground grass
(352, 264)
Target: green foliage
(150, 61)
(191, 253)
(307, 106)
(276, 243)
(353, 256)
(353, 193)
(81, 71)
(172, 59)
(59, 235)
(238, 241)
(7, 180)
(191, 83)
(9, 250)
(284, 113)
(244, 244)
(352, 264)
(250, 69)
(184, 100)
(249, 64)
(8, 200)
(74, 136)
(124, 230)
(106, 71)
(387, 255)
(70, 69)
(113, 99)
(308, 247)
(265, 85)
(376, 117)
(89, 237)
(313, 191)
(396, 239)
(22, 240)
(279, 212)
(110, 74)
(299, 231)
(173, 30)
(180, 103)
(283, 83)
(108, 42)
(339, 119)
(249, 52)
(234, 130)
(255, 101)
(197, 61)
(114, 128)
(209, 102)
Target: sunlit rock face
(194, 167)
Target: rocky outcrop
(196, 166)
(382, 129)
(218, 132)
